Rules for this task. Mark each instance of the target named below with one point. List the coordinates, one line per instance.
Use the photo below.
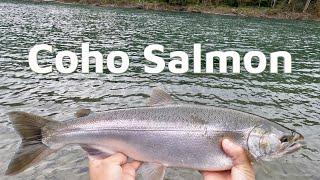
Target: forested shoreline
(281, 9)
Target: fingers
(133, 165)
(219, 175)
(113, 167)
(236, 152)
(129, 170)
(109, 168)
(116, 159)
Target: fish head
(267, 142)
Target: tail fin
(31, 150)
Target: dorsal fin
(82, 113)
(159, 97)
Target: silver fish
(162, 134)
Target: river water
(292, 99)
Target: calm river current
(292, 100)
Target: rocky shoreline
(220, 10)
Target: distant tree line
(287, 5)
(302, 5)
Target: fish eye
(284, 139)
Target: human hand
(114, 167)
(242, 168)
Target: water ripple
(290, 99)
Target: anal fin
(94, 152)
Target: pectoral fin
(151, 171)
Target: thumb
(236, 152)
(242, 168)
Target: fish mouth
(293, 148)
(297, 143)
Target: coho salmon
(161, 134)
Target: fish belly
(186, 149)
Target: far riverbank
(246, 11)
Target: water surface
(292, 99)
